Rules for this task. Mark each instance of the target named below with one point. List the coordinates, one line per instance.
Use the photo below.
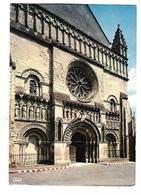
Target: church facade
(68, 87)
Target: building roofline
(98, 23)
(71, 25)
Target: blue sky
(109, 16)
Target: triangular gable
(81, 17)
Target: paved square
(80, 175)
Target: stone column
(91, 152)
(87, 153)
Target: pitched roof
(81, 17)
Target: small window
(59, 130)
(112, 105)
(33, 87)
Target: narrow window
(112, 105)
(33, 87)
(59, 130)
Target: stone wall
(29, 58)
(34, 56)
(29, 55)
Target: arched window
(112, 105)
(34, 85)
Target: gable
(81, 17)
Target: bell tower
(119, 45)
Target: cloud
(132, 85)
(132, 81)
(133, 102)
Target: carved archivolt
(33, 128)
(114, 134)
(85, 125)
(112, 97)
(26, 73)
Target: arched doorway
(78, 147)
(83, 139)
(36, 151)
(110, 138)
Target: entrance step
(79, 164)
(117, 161)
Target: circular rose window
(81, 81)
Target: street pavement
(80, 174)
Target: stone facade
(68, 94)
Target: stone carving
(83, 124)
(24, 111)
(30, 111)
(70, 113)
(44, 114)
(37, 113)
(112, 120)
(17, 110)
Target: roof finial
(119, 45)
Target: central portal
(78, 147)
(82, 137)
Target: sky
(109, 16)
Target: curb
(117, 163)
(39, 169)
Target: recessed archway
(34, 146)
(112, 144)
(37, 145)
(78, 147)
(83, 138)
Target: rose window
(79, 83)
(82, 81)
